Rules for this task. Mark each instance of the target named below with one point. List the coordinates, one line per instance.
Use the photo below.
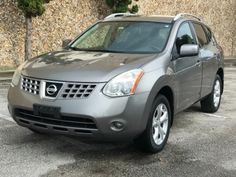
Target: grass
(7, 68)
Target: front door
(188, 70)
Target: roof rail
(119, 15)
(186, 15)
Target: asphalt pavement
(200, 145)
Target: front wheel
(156, 134)
(211, 103)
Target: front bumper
(97, 112)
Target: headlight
(123, 84)
(17, 75)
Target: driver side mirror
(65, 42)
(189, 50)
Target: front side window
(124, 37)
(184, 36)
(201, 35)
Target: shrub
(122, 6)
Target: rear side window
(184, 36)
(208, 33)
(201, 35)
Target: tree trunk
(28, 36)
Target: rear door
(188, 71)
(208, 56)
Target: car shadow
(194, 108)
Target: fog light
(117, 126)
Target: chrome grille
(68, 91)
(30, 85)
(77, 90)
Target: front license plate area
(47, 111)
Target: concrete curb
(6, 73)
(230, 62)
(5, 79)
(6, 76)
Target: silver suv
(122, 79)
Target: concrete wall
(67, 18)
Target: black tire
(207, 104)
(146, 141)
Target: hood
(82, 66)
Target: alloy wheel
(217, 93)
(160, 124)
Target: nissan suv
(122, 79)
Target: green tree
(30, 8)
(122, 6)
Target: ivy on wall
(122, 6)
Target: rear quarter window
(201, 34)
(210, 35)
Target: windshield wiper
(95, 50)
(75, 48)
(101, 50)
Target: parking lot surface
(199, 145)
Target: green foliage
(134, 9)
(7, 68)
(120, 9)
(110, 3)
(32, 8)
(122, 6)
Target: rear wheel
(156, 134)
(211, 103)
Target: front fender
(162, 82)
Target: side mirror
(189, 50)
(65, 42)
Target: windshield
(124, 37)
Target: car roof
(152, 18)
